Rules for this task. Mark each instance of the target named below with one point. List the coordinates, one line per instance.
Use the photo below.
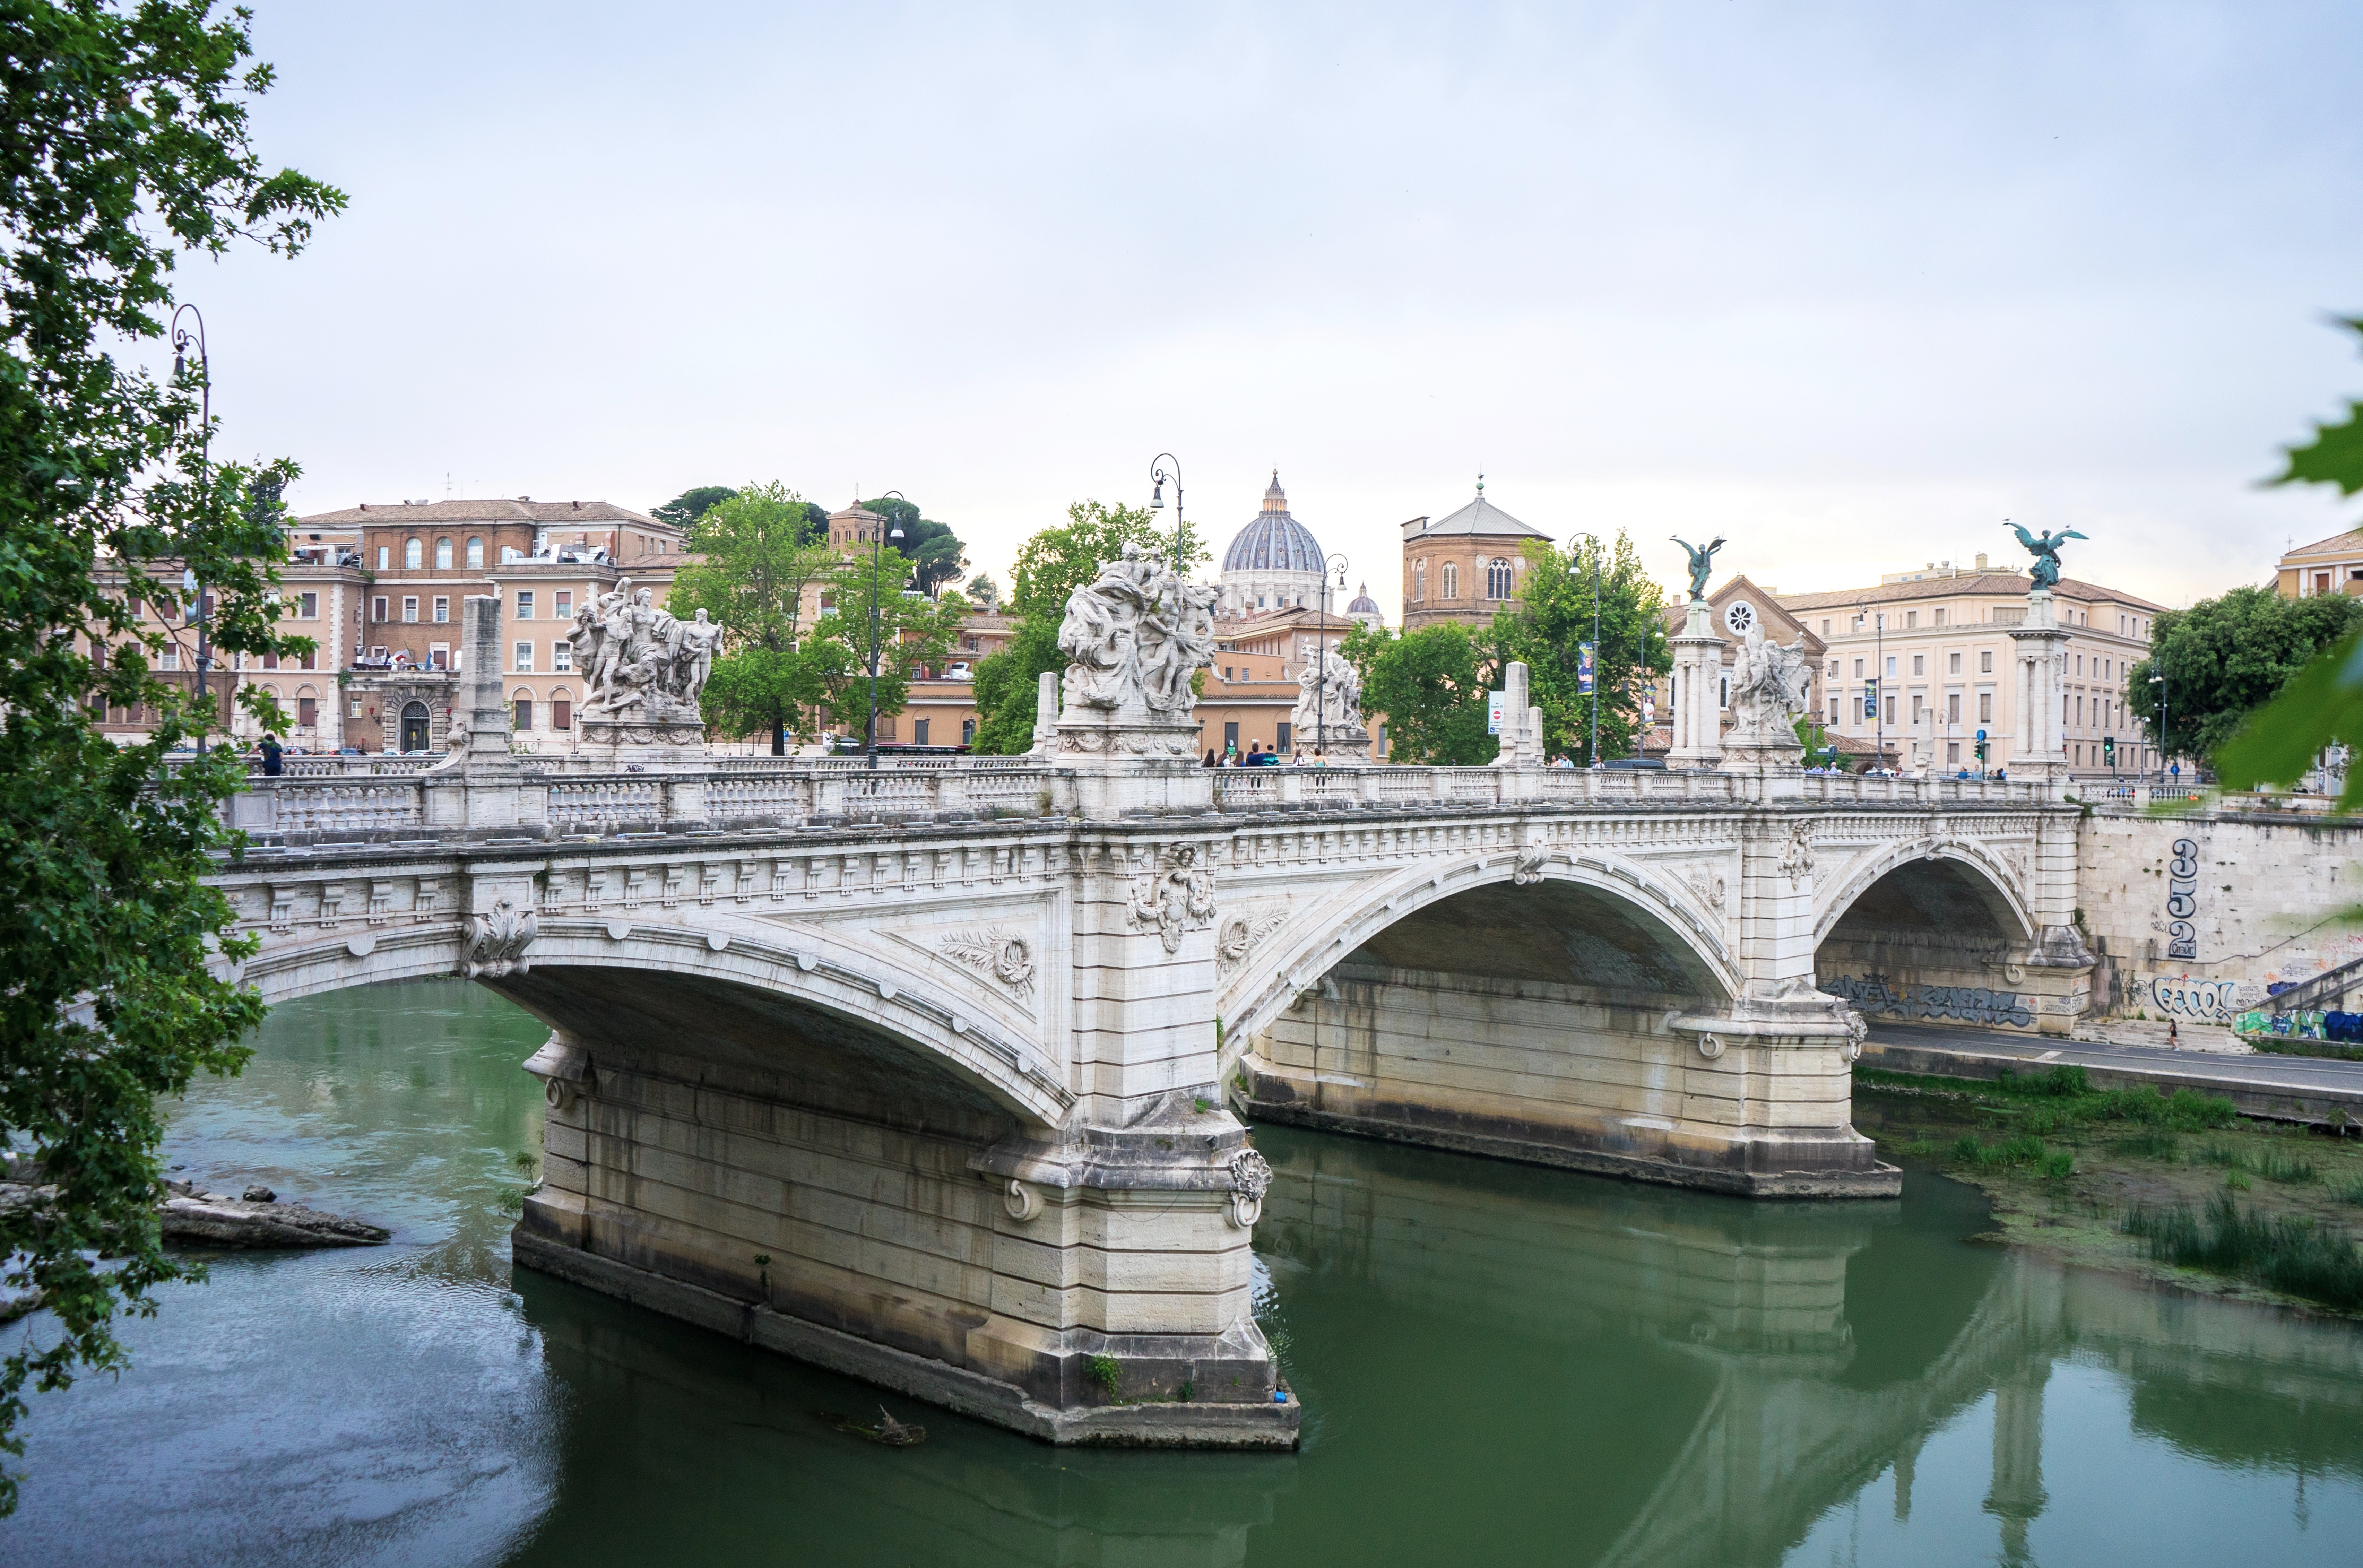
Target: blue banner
(1583, 669)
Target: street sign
(1583, 669)
(1497, 704)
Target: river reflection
(1499, 1365)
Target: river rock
(218, 1220)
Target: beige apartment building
(1937, 640)
(2333, 565)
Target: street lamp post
(876, 565)
(1879, 682)
(1320, 645)
(1159, 479)
(1595, 647)
(182, 339)
(2159, 681)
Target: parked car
(959, 671)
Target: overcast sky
(1847, 284)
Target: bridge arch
(1647, 917)
(1928, 930)
(754, 1001)
(1933, 868)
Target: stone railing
(398, 797)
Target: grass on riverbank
(2069, 1168)
(2290, 1255)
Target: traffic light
(1982, 745)
(2109, 749)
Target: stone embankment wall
(2193, 917)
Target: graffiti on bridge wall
(2209, 1001)
(1964, 1004)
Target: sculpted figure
(1330, 700)
(699, 639)
(1136, 634)
(1702, 564)
(2047, 552)
(1768, 687)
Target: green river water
(1498, 1365)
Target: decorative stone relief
(1529, 867)
(1708, 885)
(1250, 1179)
(496, 942)
(1797, 855)
(1176, 897)
(1000, 955)
(1240, 935)
(638, 656)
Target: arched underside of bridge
(1931, 938)
(812, 1150)
(1566, 1021)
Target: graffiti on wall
(2208, 1001)
(2182, 900)
(1964, 1004)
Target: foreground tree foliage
(1051, 565)
(2322, 705)
(123, 142)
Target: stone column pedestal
(1697, 676)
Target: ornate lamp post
(1159, 479)
(2159, 681)
(877, 562)
(1321, 654)
(1878, 679)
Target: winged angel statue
(2046, 551)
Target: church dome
(1274, 541)
(1363, 604)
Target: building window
(1833, 710)
(1724, 698)
(918, 732)
(1826, 628)
(307, 712)
(1952, 663)
(524, 700)
(414, 554)
(311, 661)
(1985, 661)
(1952, 752)
(271, 661)
(1282, 734)
(442, 555)
(1451, 580)
(1911, 619)
(1857, 669)
(307, 607)
(1919, 664)
(1418, 581)
(1890, 666)
(170, 658)
(1938, 618)
(968, 731)
(476, 552)
(562, 657)
(561, 709)
(1953, 708)
(384, 558)
(442, 611)
(1497, 579)
(525, 606)
(525, 658)
(562, 606)
(1891, 710)
(1985, 707)
(439, 656)
(409, 607)
(377, 608)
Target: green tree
(913, 632)
(1431, 686)
(2322, 705)
(687, 507)
(1053, 564)
(753, 561)
(125, 144)
(935, 554)
(983, 591)
(1555, 618)
(2225, 658)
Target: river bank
(2066, 1168)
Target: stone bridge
(933, 1072)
